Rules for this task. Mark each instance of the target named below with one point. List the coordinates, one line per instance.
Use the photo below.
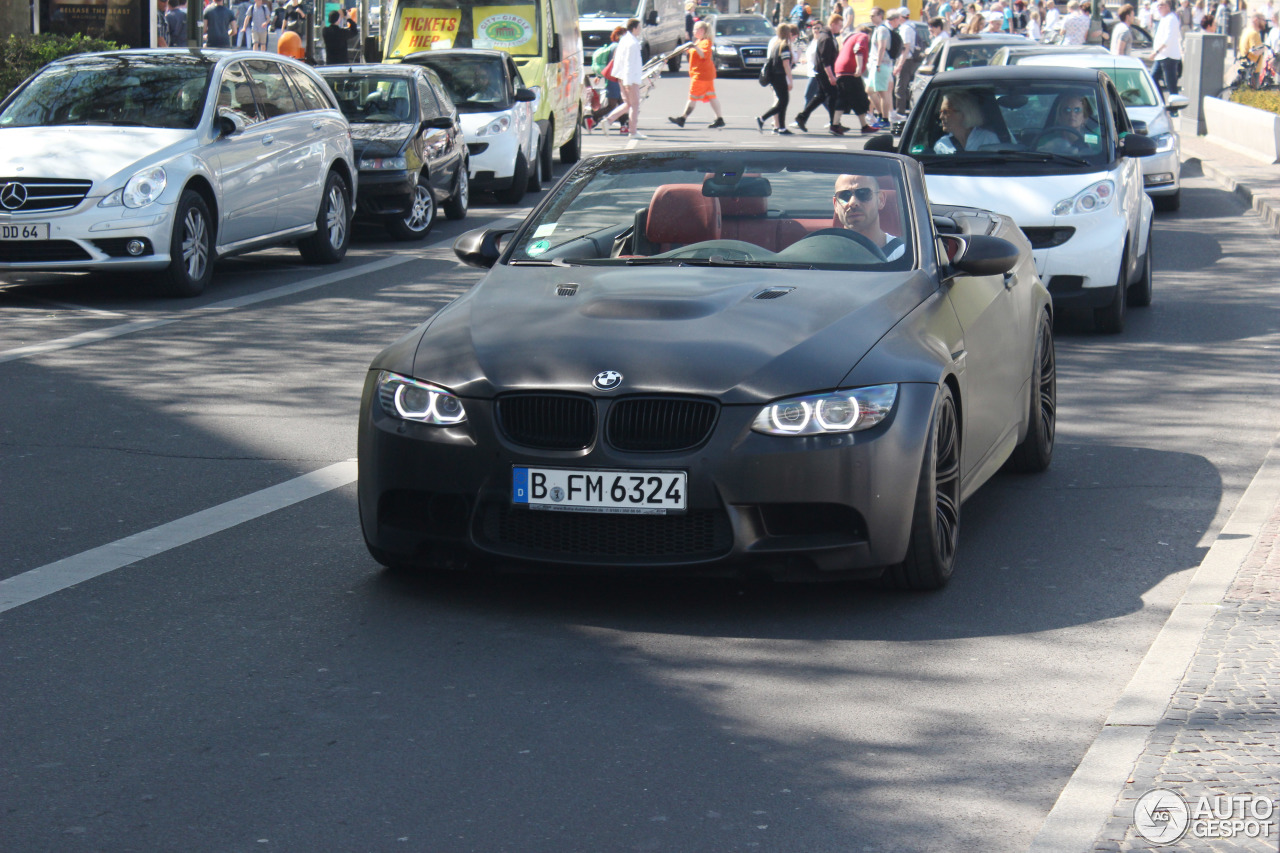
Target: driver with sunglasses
(858, 201)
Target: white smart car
(1053, 149)
(496, 112)
(166, 160)
(1149, 111)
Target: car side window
(235, 93)
(310, 93)
(441, 94)
(272, 88)
(430, 108)
(1119, 116)
(513, 70)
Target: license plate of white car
(26, 231)
(583, 490)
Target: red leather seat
(679, 214)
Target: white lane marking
(71, 306)
(54, 577)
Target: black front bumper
(385, 193)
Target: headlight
(1088, 200)
(374, 163)
(820, 414)
(499, 125)
(142, 189)
(1163, 141)
(411, 400)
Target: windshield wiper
(549, 262)
(1042, 157)
(719, 261)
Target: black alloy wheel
(935, 522)
(1035, 452)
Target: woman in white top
(627, 64)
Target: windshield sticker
(537, 247)
(507, 28)
(425, 29)
(545, 230)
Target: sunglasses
(1070, 110)
(862, 194)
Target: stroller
(650, 70)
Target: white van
(661, 25)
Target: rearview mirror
(228, 122)
(1173, 103)
(437, 123)
(480, 247)
(726, 186)
(526, 95)
(1137, 145)
(979, 254)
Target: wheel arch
(200, 184)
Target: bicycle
(1258, 76)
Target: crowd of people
(251, 23)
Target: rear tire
(417, 223)
(457, 205)
(673, 64)
(935, 521)
(333, 225)
(190, 247)
(1036, 450)
(519, 182)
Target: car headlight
(141, 189)
(501, 124)
(411, 400)
(820, 414)
(1090, 199)
(374, 163)
(1163, 141)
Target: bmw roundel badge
(607, 380)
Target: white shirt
(908, 34)
(979, 137)
(896, 253)
(1051, 19)
(1167, 43)
(627, 60)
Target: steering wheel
(1060, 128)
(876, 251)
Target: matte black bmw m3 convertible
(715, 361)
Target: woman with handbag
(779, 65)
(601, 67)
(627, 64)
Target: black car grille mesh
(594, 39)
(41, 195)
(753, 52)
(547, 421)
(42, 251)
(659, 424)
(1047, 237)
(605, 537)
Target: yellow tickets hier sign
(425, 29)
(513, 29)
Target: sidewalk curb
(1265, 207)
(1087, 801)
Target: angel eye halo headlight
(411, 400)
(826, 414)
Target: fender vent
(566, 290)
(773, 292)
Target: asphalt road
(249, 679)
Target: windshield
(1134, 85)
(994, 123)
(125, 90)
(969, 56)
(608, 8)
(476, 84)
(440, 24)
(373, 99)
(783, 209)
(743, 27)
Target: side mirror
(979, 254)
(1173, 103)
(227, 122)
(553, 50)
(881, 142)
(1140, 126)
(526, 95)
(437, 123)
(1137, 145)
(480, 247)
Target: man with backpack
(910, 52)
(880, 65)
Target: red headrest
(680, 213)
(744, 206)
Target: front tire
(417, 223)
(519, 182)
(333, 225)
(1110, 318)
(1140, 291)
(535, 174)
(935, 521)
(190, 247)
(1036, 450)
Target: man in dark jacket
(826, 53)
(335, 39)
(176, 21)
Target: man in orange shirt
(702, 78)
